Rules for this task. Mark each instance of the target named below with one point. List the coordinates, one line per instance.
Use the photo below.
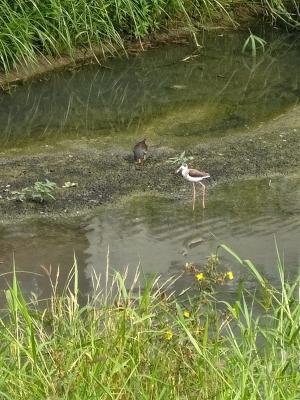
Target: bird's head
(182, 168)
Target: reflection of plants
(180, 159)
(39, 192)
(254, 42)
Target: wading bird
(140, 151)
(194, 176)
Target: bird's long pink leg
(203, 194)
(194, 196)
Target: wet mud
(104, 175)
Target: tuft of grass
(38, 192)
(180, 159)
(126, 343)
(254, 42)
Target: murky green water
(162, 235)
(158, 95)
(169, 91)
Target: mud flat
(105, 175)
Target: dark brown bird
(140, 151)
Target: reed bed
(152, 344)
(33, 28)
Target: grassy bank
(152, 345)
(59, 27)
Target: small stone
(178, 87)
(70, 184)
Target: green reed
(150, 344)
(254, 43)
(59, 27)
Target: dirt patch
(105, 175)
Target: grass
(38, 192)
(59, 27)
(151, 344)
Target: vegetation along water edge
(142, 339)
(123, 343)
(61, 31)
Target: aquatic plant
(254, 42)
(209, 275)
(130, 344)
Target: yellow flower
(199, 276)
(186, 314)
(229, 275)
(168, 335)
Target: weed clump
(38, 192)
(132, 344)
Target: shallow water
(159, 96)
(162, 235)
(176, 90)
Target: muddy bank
(103, 176)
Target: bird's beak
(179, 169)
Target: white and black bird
(194, 176)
